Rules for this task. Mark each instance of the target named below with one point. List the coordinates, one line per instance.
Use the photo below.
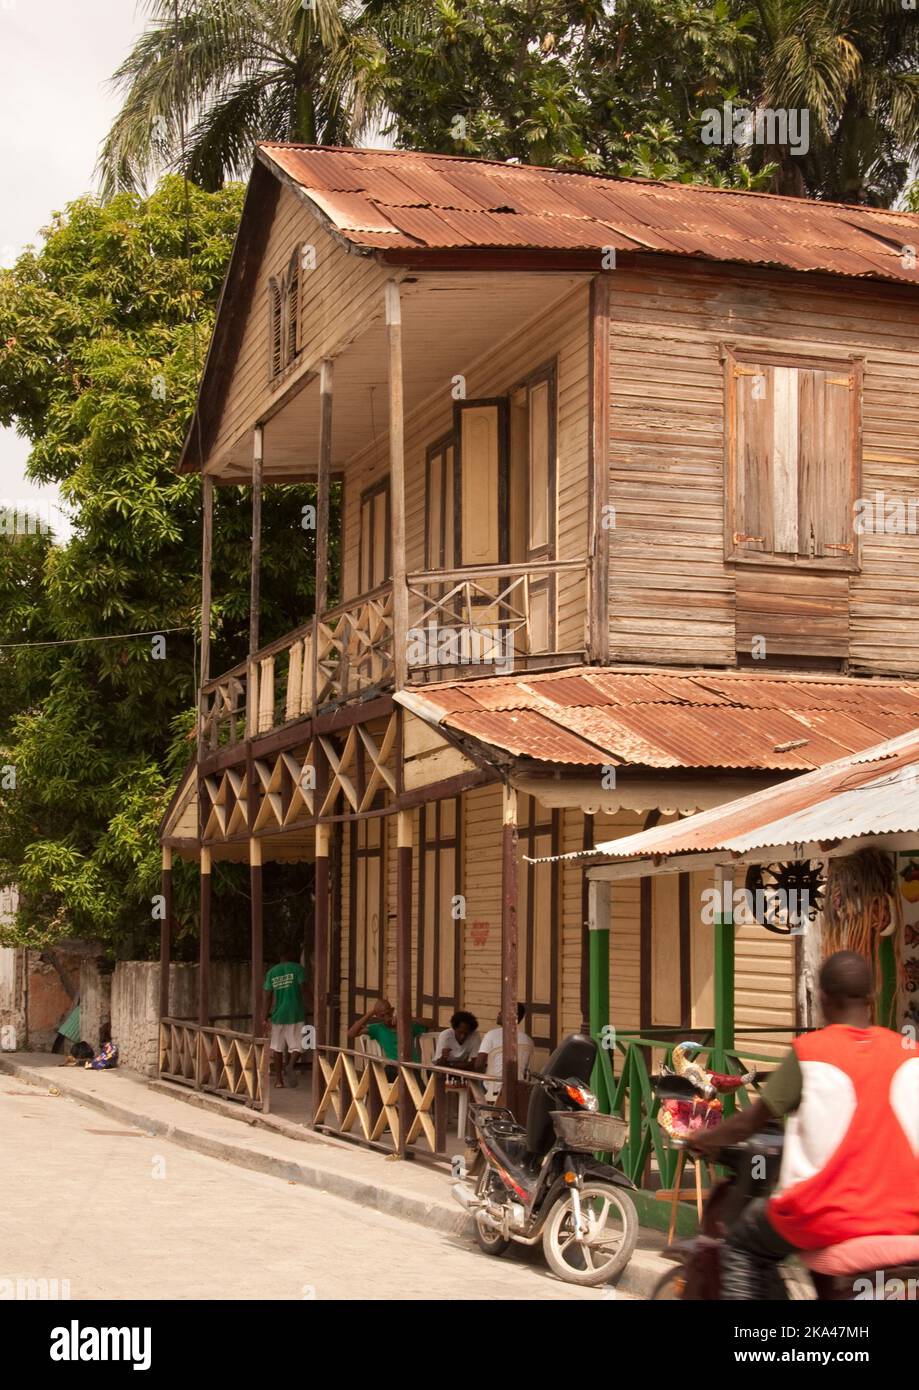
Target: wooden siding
(337, 301)
(673, 598)
(764, 968)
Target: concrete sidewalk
(280, 1148)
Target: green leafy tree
(853, 65)
(101, 337)
(231, 72)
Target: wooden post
(404, 959)
(255, 582)
(257, 951)
(397, 482)
(320, 956)
(598, 497)
(207, 554)
(598, 928)
(166, 931)
(724, 974)
(323, 484)
(509, 976)
(204, 957)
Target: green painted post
(724, 980)
(598, 978)
(887, 984)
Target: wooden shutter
(439, 934)
(827, 476)
(439, 519)
(374, 564)
(293, 307)
(480, 484)
(792, 471)
(275, 338)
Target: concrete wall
(95, 1002)
(12, 998)
(135, 997)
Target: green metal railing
(631, 1095)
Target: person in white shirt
(459, 1042)
(491, 1053)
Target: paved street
(122, 1215)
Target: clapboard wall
(673, 597)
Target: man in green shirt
(285, 1007)
(379, 1023)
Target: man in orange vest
(850, 1163)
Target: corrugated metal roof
(875, 792)
(670, 719)
(409, 200)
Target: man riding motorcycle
(850, 1164)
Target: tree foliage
(103, 331)
(581, 84)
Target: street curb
(638, 1278)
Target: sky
(56, 57)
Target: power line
(110, 637)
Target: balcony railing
(482, 620)
(492, 620)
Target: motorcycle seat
(863, 1253)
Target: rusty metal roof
(593, 716)
(405, 200)
(875, 792)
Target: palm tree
(853, 65)
(210, 77)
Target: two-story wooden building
(600, 444)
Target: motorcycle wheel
(489, 1240)
(608, 1248)
(670, 1288)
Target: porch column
(320, 955)
(509, 972)
(258, 965)
(255, 581)
(323, 485)
(724, 972)
(204, 939)
(404, 958)
(207, 550)
(598, 927)
(397, 482)
(166, 931)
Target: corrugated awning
(410, 201)
(875, 792)
(593, 717)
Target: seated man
(491, 1054)
(850, 1164)
(379, 1023)
(460, 1042)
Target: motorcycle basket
(584, 1131)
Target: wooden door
(480, 483)
(375, 565)
(439, 932)
(538, 888)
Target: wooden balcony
(481, 621)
